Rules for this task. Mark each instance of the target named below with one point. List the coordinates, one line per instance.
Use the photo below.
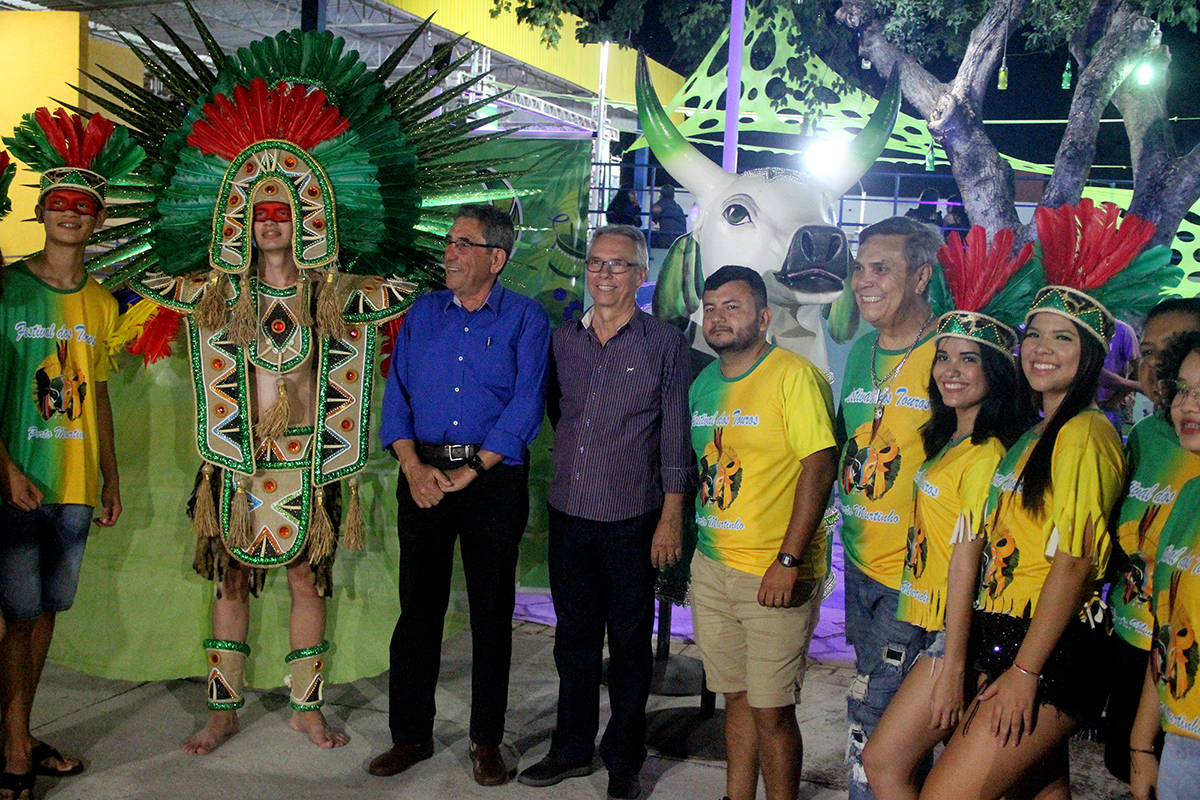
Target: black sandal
(42, 752)
(20, 786)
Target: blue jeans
(1179, 771)
(884, 651)
(40, 555)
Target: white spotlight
(824, 157)
(1144, 73)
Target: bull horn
(680, 158)
(871, 140)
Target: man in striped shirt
(618, 401)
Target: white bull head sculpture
(779, 222)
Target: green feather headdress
(7, 171)
(1095, 266)
(991, 287)
(72, 154)
(376, 155)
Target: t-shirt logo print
(872, 469)
(720, 473)
(1000, 560)
(917, 551)
(1179, 654)
(57, 386)
(1139, 575)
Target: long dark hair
(998, 416)
(1081, 394)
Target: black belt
(446, 453)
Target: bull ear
(871, 141)
(679, 157)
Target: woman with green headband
(972, 391)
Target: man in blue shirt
(465, 396)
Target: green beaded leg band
(307, 680)
(226, 674)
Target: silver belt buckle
(457, 452)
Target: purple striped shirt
(620, 411)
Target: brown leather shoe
(399, 757)
(487, 765)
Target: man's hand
(458, 479)
(778, 586)
(428, 485)
(110, 499)
(667, 546)
(17, 490)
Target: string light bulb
(1144, 73)
(930, 163)
(1002, 75)
(1066, 76)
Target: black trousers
(488, 518)
(1126, 668)
(601, 579)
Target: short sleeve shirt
(952, 488)
(880, 457)
(1087, 474)
(1175, 653)
(54, 352)
(750, 434)
(1158, 469)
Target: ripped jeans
(884, 651)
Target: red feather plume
(154, 341)
(295, 114)
(77, 142)
(1084, 246)
(4, 161)
(975, 271)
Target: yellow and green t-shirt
(952, 488)
(880, 459)
(1086, 477)
(54, 352)
(1175, 654)
(1158, 469)
(749, 434)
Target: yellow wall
(572, 61)
(41, 55)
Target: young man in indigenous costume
(286, 190)
(58, 465)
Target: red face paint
(278, 212)
(69, 200)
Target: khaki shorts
(746, 647)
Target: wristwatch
(476, 463)
(787, 560)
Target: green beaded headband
(1076, 306)
(76, 179)
(977, 327)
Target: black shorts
(1073, 677)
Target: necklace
(878, 385)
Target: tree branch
(985, 47)
(1144, 113)
(916, 83)
(1127, 35)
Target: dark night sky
(1034, 92)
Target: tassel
(354, 530)
(210, 309)
(245, 317)
(303, 298)
(273, 422)
(320, 531)
(330, 301)
(204, 514)
(240, 534)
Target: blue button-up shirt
(469, 377)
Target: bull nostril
(806, 245)
(833, 250)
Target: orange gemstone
(289, 162)
(268, 486)
(312, 191)
(214, 658)
(318, 223)
(234, 200)
(354, 333)
(351, 376)
(270, 188)
(249, 169)
(284, 531)
(278, 326)
(318, 665)
(227, 231)
(221, 411)
(199, 279)
(347, 424)
(293, 447)
(218, 364)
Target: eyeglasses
(1185, 392)
(464, 245)
(616, 266)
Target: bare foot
(313, 723)
(220, 726)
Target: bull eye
(737, 214)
